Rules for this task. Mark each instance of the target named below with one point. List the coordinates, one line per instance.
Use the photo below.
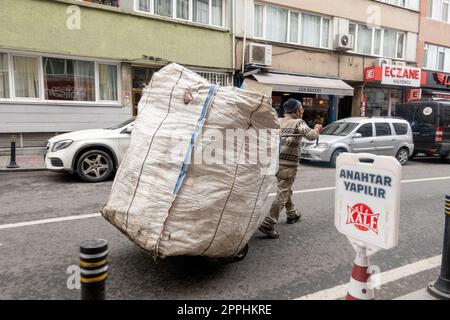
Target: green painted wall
(40, 25)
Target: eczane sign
(401, 75)
(367, 199)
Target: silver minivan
(376, 135)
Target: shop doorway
(141, 78)
(345, 107)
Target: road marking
(94, 215)
(333, 188)
(45, 221)
(384, 278)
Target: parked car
(430, 123)
(92, 154)
(376, 135)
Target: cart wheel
(241, 254)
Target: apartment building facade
(321, 52)
(67, 65)
(433, 49)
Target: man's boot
(293, 217)
(268, 228)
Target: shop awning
(303, 84)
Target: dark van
(430, 123)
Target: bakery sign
(394, 75)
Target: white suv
(93, 154)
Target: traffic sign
(367, 199)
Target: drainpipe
(245, 37)
(233, 27)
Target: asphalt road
(310, 256)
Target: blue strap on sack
(199, 125)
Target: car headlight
(61, 145)
(322, 145)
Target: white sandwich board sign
(367, 199)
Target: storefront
(386, 86)
(436, 86)
(319, 96)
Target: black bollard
(441, 288)
(94, 269)
(12, 163)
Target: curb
(23, 169)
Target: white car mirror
(357, 135)
(128, 129)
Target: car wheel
(334, 157)
(95, 166)
(446, 158)
(402, 156)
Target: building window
(70, 80)
(310, 30)
(400, 3)
(4, 76)
(389, 43)
(57, 79)
(378, 42)
(26, 77)
(112, 3)
(259, 21)
(221, 79)
(209, 12)
(438, 10)
(282, 25)
(108, 82)
(183, 9)
(436, 58)
(163, 8)
(276, 24)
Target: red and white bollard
(359, 287)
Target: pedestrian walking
(293, 128)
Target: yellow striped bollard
(94, 269)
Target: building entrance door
(141, 78)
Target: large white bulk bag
(169, 200)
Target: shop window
(26, 77)
(383, 129)
(4, 76)
(366, 130)
(400, 128)
(71, 80)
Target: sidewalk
(418, 295)
(26, 163)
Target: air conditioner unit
(259, 54)
(344, 42)
(381, 61)
(399, 63)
